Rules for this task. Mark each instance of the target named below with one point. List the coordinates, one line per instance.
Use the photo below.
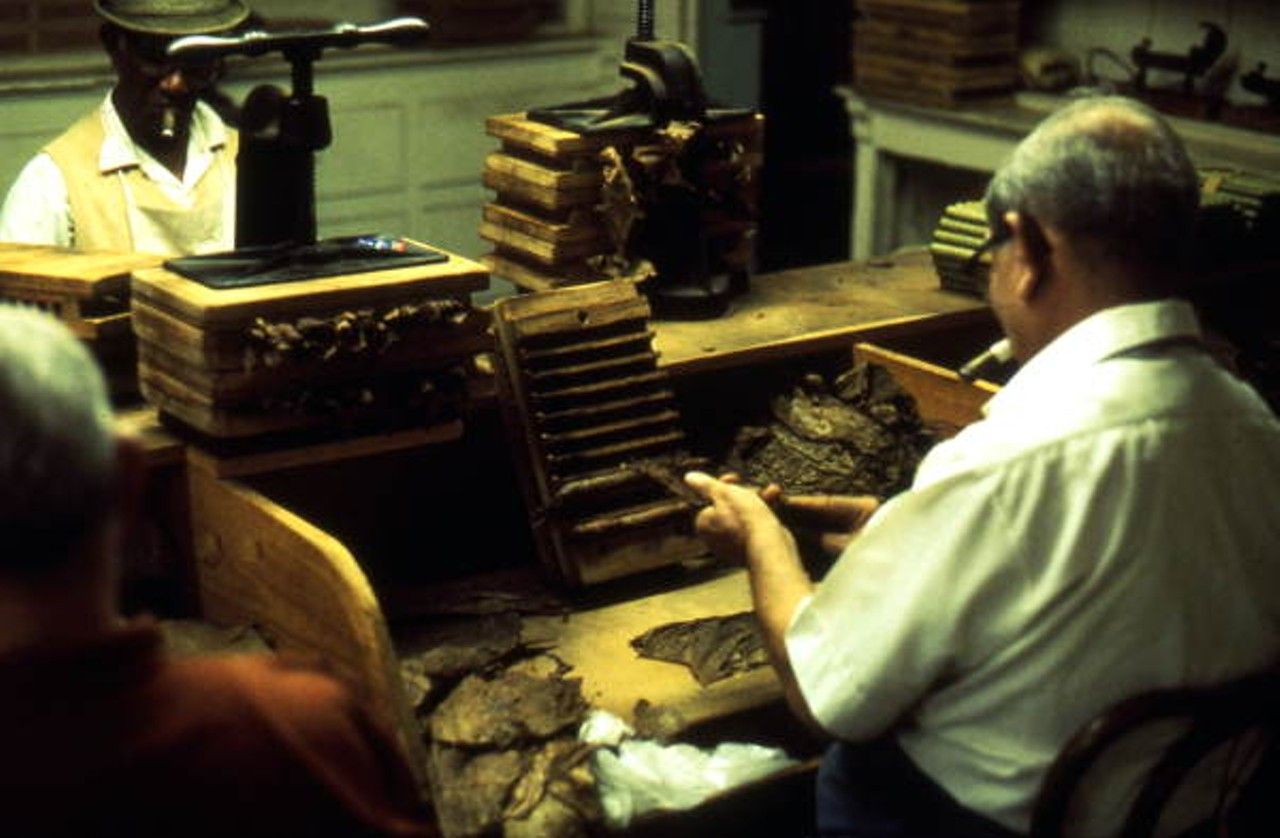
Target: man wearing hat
(153, 168)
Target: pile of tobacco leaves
(500, 720)
(857, 435)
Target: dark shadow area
(807, 181)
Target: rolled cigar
(169, 123)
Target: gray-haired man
(1109, 527)
(102, 734)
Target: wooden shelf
(817, 308)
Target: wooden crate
(240, 362)
(547, 222)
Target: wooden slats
(583, 400)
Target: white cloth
(1112, 525)
(36, 210)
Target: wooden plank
(514, 188)
(818, 308)
(578, 227)
(211, 308)
(211, 349)
(518, 132)
(536, 278)
(82, 274)
(174, 397)
(883, 33)
(911, 72)
(282, 457)
(521, 132)
(943, 399)
(956, 15)
(257, 563)
(544, 177)
(539, 250)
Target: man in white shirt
(153, 168)
(1110, 527)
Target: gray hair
(1111, 174)
(57, 442)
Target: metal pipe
(644, 20)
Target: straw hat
(173, 17)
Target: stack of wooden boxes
(550, 221)
(960, 232)
(935, 52)
(86, 290)
(374, 349)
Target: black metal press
(280, 133)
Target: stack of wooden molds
(549, 222)
(364, 351)
(942, 53)
(596, 432)
(960, 232)
(86, 290)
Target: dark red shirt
(114, 738)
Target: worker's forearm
(778, 585)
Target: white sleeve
(36, 209)
(899, 612)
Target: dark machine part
(1192, 65)
(281, 132)
(666, 87)
(1255, 81)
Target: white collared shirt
(36, 210)
(1111, 526)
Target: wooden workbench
(816, 308)
(783, 316)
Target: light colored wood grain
(209, 308)
(258, 563)
(75, 273)
(942, 397)
(597, 643)
(818, 308)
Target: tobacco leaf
(713, 648)
(470, 645)
(557, 770)
(510, 708)
(470, 790)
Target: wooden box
(380, 348)
(86, 290)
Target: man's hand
(738, 521)
(739, 525)
(836, 519)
